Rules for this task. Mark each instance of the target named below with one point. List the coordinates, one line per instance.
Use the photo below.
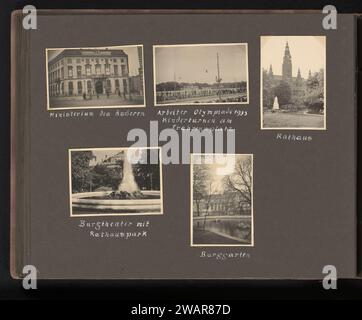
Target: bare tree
(199, 186)
(203, 187)
(229, 199)
(241, 180)
(208, 200)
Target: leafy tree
(268, 92)
(80, 169)
(103, 176)
(314, 96)
(283, 92)
(168, 86)
(268, 98)
(313, 82)
(147, 176)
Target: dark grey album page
(299, 215)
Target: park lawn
(292, 120)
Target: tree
(233, 202)
(314, 96)
(283, 92)
(313, 82)
(268, 92)
(80, 169)
(147, 176)
(209, 188)
(241, 180)
(168, 86)
(200, 176)
(103, 176)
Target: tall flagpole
(218, 79)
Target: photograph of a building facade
(201, 73)
(222, 200)
(95, 77)
(293, 82)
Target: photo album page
(184, 146)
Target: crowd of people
(163, 96)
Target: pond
(147, 196)
(238, 229)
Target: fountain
(127, 199)
(128, 188)
(275, 104)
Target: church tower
(287, 64)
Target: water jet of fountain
(128, 183)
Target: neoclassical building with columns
(75, 72)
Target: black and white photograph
(203, 74)
(115, 181)
(103, 77)
(293, 82)
(222, 200)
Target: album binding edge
(19, 147)
(358, 102)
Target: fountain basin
(92, 201)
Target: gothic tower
(298, 81)
(287, 64)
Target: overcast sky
(225, 162)
(308, 53)
(198, 63)
(131, 51)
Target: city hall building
(86, 71)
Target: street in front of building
(94, 101)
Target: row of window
(217, 207)
(88, 71)
(87, 60)
(60, 89)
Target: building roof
(115, 158)
(89, 53)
